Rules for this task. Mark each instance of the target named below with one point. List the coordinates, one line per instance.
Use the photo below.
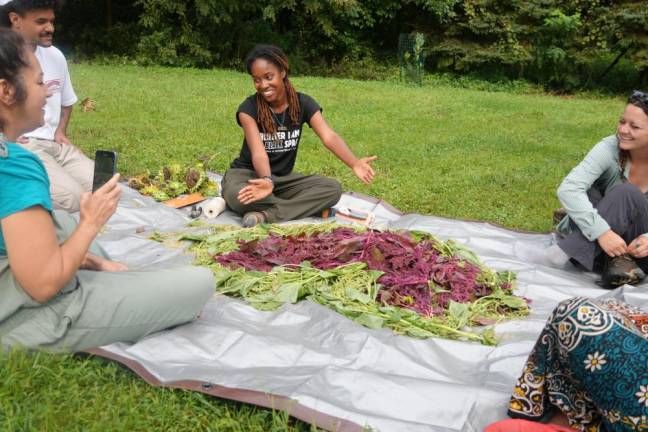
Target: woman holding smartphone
(58, 290)
(260, 183)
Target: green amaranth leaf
(354, 294)
(514, 302)
(288, 292)
(459, 312)
(370, 320)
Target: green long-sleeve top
(600, 169)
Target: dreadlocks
(277, 57)
(640, 100)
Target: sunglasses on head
(639, 96)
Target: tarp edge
(266, 400)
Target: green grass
(44, 392)
(444, 150)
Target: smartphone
(104, 169)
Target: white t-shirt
(57, 78)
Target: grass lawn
(447, 151)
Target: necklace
(281, 127)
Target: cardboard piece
(184, 200)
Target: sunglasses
(640, 97)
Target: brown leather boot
(558, 215)
(621, 270)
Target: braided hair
(640, 100)
(278, 58)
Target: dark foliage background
(565, 45)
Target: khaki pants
(99, 308)
(70, 171)
(294, 196)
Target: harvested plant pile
(175, 180)
(410, 282)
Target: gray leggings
(625, 209)
(99, 308)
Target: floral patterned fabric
(591, 363)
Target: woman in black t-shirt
(260, 183)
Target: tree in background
(562, 44)
(98, 27)
(625, 25)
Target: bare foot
(112, 266)
(97, 263)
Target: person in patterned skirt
(589, 365)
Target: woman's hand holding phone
(97, 207)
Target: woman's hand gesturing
(255, 190)
(362, 169)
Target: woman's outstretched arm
(332, 141)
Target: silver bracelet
(268, 178)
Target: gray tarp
(324, 368)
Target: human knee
(230, 195)
(187, 291)
(200, 283)
(628, 191)
(563, 315)
(334, 190)
(202, 278)
(67, 197)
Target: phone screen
(104, 169)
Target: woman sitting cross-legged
(606, 227)
(260, 183)
(55, 293)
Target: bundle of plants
(418, 271)
(174, 180)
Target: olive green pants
(294, 196)
(99, 308)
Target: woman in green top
(606, 226)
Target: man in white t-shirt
(69, 170)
